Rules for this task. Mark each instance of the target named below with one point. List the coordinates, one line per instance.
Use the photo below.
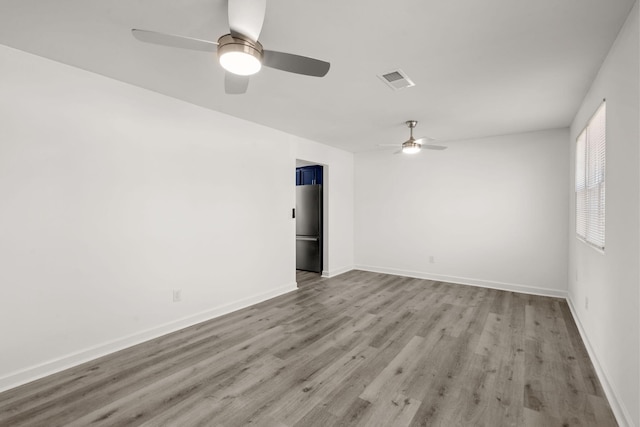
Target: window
(590, 180)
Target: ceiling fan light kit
(410, 147)
(239, 56)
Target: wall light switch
(177, 295)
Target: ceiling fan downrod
(410, 146)
(412, 124)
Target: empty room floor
(361, 349)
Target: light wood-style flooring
(307, 278)
(361, 349)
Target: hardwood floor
(361, 349)
(307, 278)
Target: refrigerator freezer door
(308, 199)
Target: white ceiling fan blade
(432, 147)
(389, 145)
(425, 143)
(235, 84)
(295, 63)
(425, 140)
(174, 41)
(246, 18)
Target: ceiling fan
(239, 52)
(413, 145)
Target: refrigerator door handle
(307, 239)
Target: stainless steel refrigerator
(309, 228)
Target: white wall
(112, 196)
(491, 212)
(611, 280)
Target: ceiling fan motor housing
(228, 44)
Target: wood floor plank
(481, 373)
(393, 374)
(397, 411)
(301, 400)
(441, 388)
(507, 394)
(318, 417)
(359, 349)
(390, 327)
(356, 411)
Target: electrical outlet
(586, 303)
(177, 295)
(432, 259)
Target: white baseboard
(336, 272)
(512, 287)
(32, 373)
(619, 410)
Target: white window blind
(590, 180)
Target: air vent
(396, 79)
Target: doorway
(310, 217)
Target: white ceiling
(481, 67)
